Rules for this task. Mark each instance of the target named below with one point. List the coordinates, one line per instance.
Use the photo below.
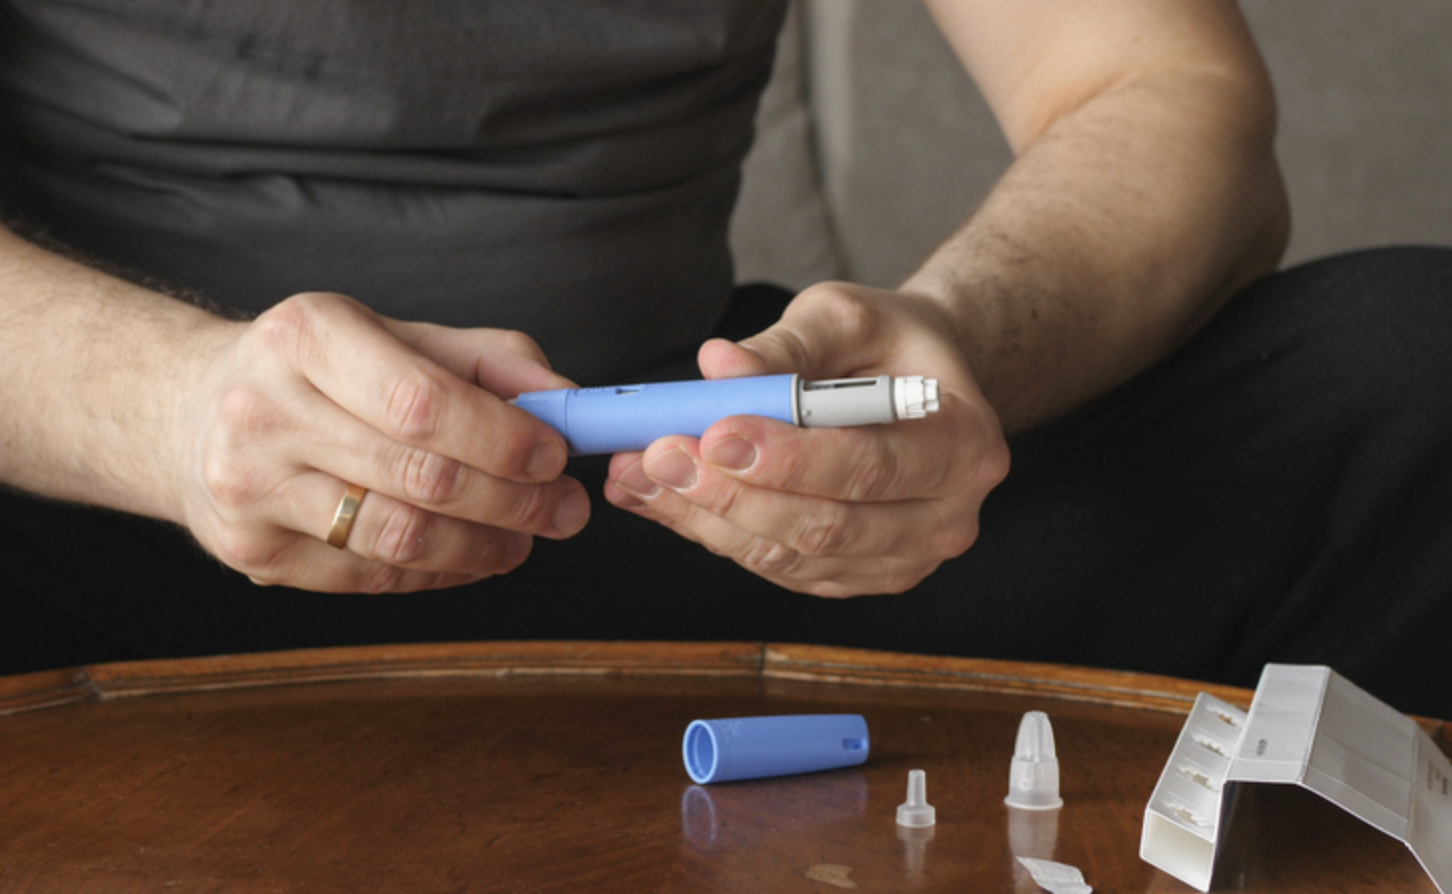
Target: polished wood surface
(556, 767)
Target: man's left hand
(831, 511)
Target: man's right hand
(319, 393)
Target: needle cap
(916, 812)
(1033, 779)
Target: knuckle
(767, 558)
(790, 470)
(226, 479)
(724, 501)
(427, 477)
(513, 341)
(297, 331)
(289, 325)
(244, 551)
(415, 405)
(981, 467)
(826, 532)
(954, 531)
(532, 508)
(873, 478)
(995, 464)
(830, 589)
(952, 541)
(245, 413)
(231, 480)
(229, 462)
(844, 306)
(403, 535)
(509, 451)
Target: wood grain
(556, 767)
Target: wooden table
(556, 767)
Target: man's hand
(318, 393)
(832, 512)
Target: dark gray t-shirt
(562, 167)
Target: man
(504, 167)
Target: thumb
(828, 330)
(723, 359)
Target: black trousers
(1280, 490)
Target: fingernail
(751, 349)
(674, 469)
(734, 453)
(635, 482)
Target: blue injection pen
(614, 418)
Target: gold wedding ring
(345, 516)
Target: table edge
(769, 661)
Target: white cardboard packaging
(1310, 727)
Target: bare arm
(97, 373)
(1145, 191)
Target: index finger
(503, 362)
(346, 353)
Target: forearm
(97, 374)
(1113, 237)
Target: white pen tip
(914, 396)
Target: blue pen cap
(756, 747)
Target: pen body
(616, 418)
